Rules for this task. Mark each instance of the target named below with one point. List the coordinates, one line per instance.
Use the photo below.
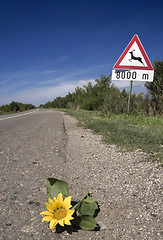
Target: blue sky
(49, 47)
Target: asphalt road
(32, 148)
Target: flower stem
(81, 200)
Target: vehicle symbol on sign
(135, 58)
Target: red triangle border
(137, 40)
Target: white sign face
(133, 75)
(133, 64)
(133, 52)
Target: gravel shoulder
(49, 144)
(128, 190)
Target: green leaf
(88, 207)
(55, 186)
(89, 200)
(87, 223)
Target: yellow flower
(58, 211)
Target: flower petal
(60, 198)
(61, 222)
(53, 223)
(50, 201)
(47, 218)
(67, 222)
(46, 213)
(70, 212)
(70, 218)
(67, 202)
(52, 204)
(49, 207)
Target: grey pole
(129, 98)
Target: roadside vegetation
(127, 132)
(102, 107)
(14, 107)
(105, 97)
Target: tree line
(15, 107)
(107, 98)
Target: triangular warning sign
(134, 57)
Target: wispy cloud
(40, 95)
(44, 83)
(70, 76)
(123, 84)
(49, 71)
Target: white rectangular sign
(133, 75)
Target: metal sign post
(129, 98)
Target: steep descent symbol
(135, 58)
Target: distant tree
(155, 88)
(5, 108)
(114, 101)
(15, 107)
(102, 86)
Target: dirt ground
(47, 143)
(128, 189)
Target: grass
(6, 113)
(127, 132)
